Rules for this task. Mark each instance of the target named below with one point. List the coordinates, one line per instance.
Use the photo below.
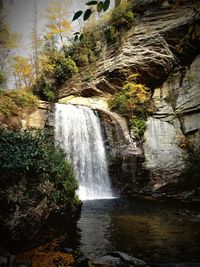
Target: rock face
(176, 121)
(40, 118)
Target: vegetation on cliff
(15, 103)
(133, 101)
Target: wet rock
(114, 259)
(128, 259)
(105, 261)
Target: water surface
(155, 231)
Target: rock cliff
(176, 121)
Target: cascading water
(78, 132)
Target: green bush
(137, 127)
(27, 155)
(48, 94)
(44, 89)
(56, 69)
(118, 21)
(64, 69)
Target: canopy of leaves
(57, 24)
(8, 41)
(23, 72)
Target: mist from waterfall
(78, 132)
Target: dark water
(155, 231)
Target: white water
(78, 132)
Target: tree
(35, 42)
(8, 42)
(58, 26)
(23, 72)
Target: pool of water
(155, 231)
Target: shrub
(59, 67)
(23, 99)
(44, 89)
(48, 94)
(132, 99)
(64, 69)
(56, 69)
(122, 16)
(24, 155)
(13, 103)
(137, 127)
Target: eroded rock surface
(150, 49)
(176, 121)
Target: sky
(20, 14)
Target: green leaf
(76, 38)
(87, 14)
(91, 3)
(81, 37)
(100, 6)
(106, 5)
(77, 15)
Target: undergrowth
(28, 155)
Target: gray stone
(105, 261)
(161, 148)
(189, 92)
(128, 259)
(191, 122)
(116, 259)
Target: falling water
(78, 132)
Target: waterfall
(78, 132)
